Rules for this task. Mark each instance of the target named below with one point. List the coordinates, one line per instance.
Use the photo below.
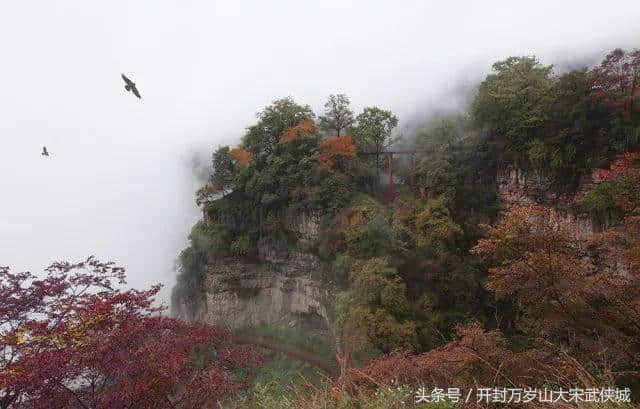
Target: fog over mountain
(120, 179)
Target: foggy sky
(119, 182)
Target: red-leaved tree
(617, 81)
(74, 340)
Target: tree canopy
(261, 138)
(337, 115)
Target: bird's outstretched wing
(134, 89)
(127, 80)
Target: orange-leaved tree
(242, 157)
(475, 358)
(305, 127)
(560, 292)
(333, 150)
(537, 262)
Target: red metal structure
(390, 193)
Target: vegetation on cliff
(439, 281)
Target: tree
(334, 148)
(337, 115)
(242, 157)
(560, 293)
(434, 229)
(537, 263)
(262, 138)
(372, 313)
(370, 231)
(616, 81)
(438, 142)
(440, 136)
(474, 358)
(224, 170)
(74, 340)
(515, 101)
(306, 127)
(373, 129)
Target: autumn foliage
(561, 288)
(306, 127)
(538, 262)
(333, 149)
(475, 358)
(616, 81)
(242, 157)
(74, 340)
(622, 167)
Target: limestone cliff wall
(519, 187)
(527, 187)
(282, 286)
(240, 294)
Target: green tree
(603, 202)
(515, 101)
(434, 228)
(575, 133)
(205, 240)
(262, 138)
(373, 314)
(378, 295)
(337, 115)
(438, 142)
(224, 170)
(373, 130)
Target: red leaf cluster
(477, 358)
(74, 340)
(616, 81)
(583, 298)
(214, 188)
(623, 167)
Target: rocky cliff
(527, 187)
(520, 187)
(282, 286)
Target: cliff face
(241, 294)
(520, 187)
(281, 287)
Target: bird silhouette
(130, 86)
(44, 151)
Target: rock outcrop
(528, 187)
(520, 187)
(241, 294)
(282, 286)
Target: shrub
(242, 246)
(601, 203)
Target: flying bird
(130, 86)
(44, 151)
